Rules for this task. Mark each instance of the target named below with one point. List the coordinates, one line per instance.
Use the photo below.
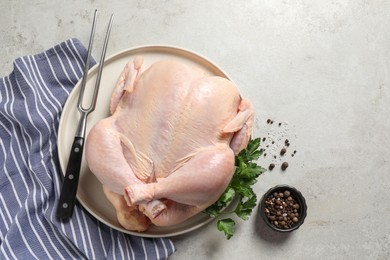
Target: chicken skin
(167, 151)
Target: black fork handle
(69, 187)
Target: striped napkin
(31, 101)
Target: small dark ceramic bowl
(298, 198)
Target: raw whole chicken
(167, 151)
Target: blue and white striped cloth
(31, 101)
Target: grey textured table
(321, 68)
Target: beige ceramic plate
(90, 192)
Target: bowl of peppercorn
(283, 208)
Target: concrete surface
(322, 68)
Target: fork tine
(87, 62)
(101, 65)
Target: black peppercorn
(284, 166)
(271, 166)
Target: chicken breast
(167, 151)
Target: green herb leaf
(227, 196)
(252, 151)
(244, 190)
(227, 226)
(215, 209)
(244, 209)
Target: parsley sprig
(245, 175)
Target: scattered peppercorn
(271, 142)
(284, 165)
(271, 166)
